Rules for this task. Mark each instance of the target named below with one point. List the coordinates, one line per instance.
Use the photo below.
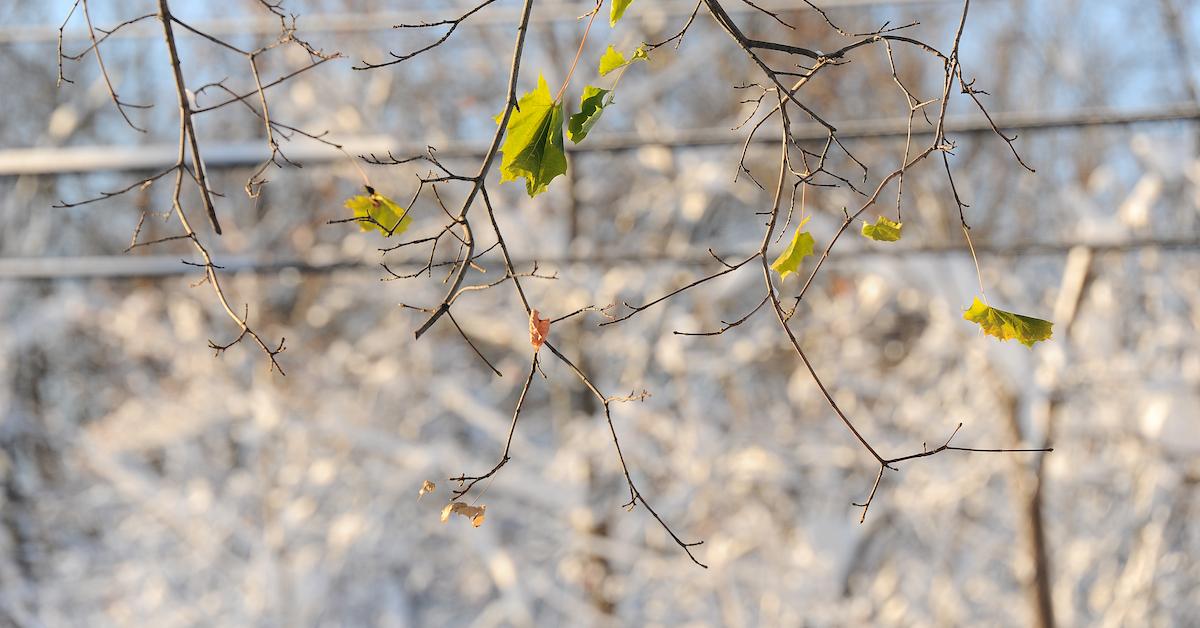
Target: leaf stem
(579, 53)
(612, 90)
(803, 206)
(978, 272)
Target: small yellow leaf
(376, 211)
(427, 487)
(474, 513)
(539, 329)
(801, 247)
(883, 230)
(612, 59)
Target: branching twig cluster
(189, 166)
(799, 167)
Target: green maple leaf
(801, 247)
(533, 145)
(376, 211)
(618, 11)
(614, 60)
(591, 105)
(1005, 325)
(883, 230)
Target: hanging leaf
(591, 105)
(614, 60)
(474, 513)
(1005, 325)
(539, 329)
(801, 247)
(611, 60)
(427, 487)
(618, 11)
(883, 230)
(376, 211)
(533, 146)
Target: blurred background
(146, 482)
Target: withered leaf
(474, 513)
(539, 329)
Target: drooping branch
(465, 482)
(485, 166)
(635, 495)
(95, 49)
(190, 160)
(185, 115)
(187, 139)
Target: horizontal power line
(163, 266)
(156, 157)
(384, 20)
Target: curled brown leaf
(539, 329)
(474, 513)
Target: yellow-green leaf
(1005, 325)
(801, 247)
(591, 105)
(533, 146)
(883, 230)
(614, 60)
(376, 211)
(611, 60)
(618, 11)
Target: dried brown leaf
(427, 487)
(539, 329)
(474, 513)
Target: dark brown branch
(635, 495)
(771, 294)
(725, 325)
(185, 114)
(635, 309)
(484, 167)
(465, 482)
(186, 133)
(282, 79)
(121, 105)
(140, 185)
(678, 37)
(772, 14)
(452, 23)
(605, 401)
(473, 347)
(885, 465)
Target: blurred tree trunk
(1028, 493)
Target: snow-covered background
(146, 482)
